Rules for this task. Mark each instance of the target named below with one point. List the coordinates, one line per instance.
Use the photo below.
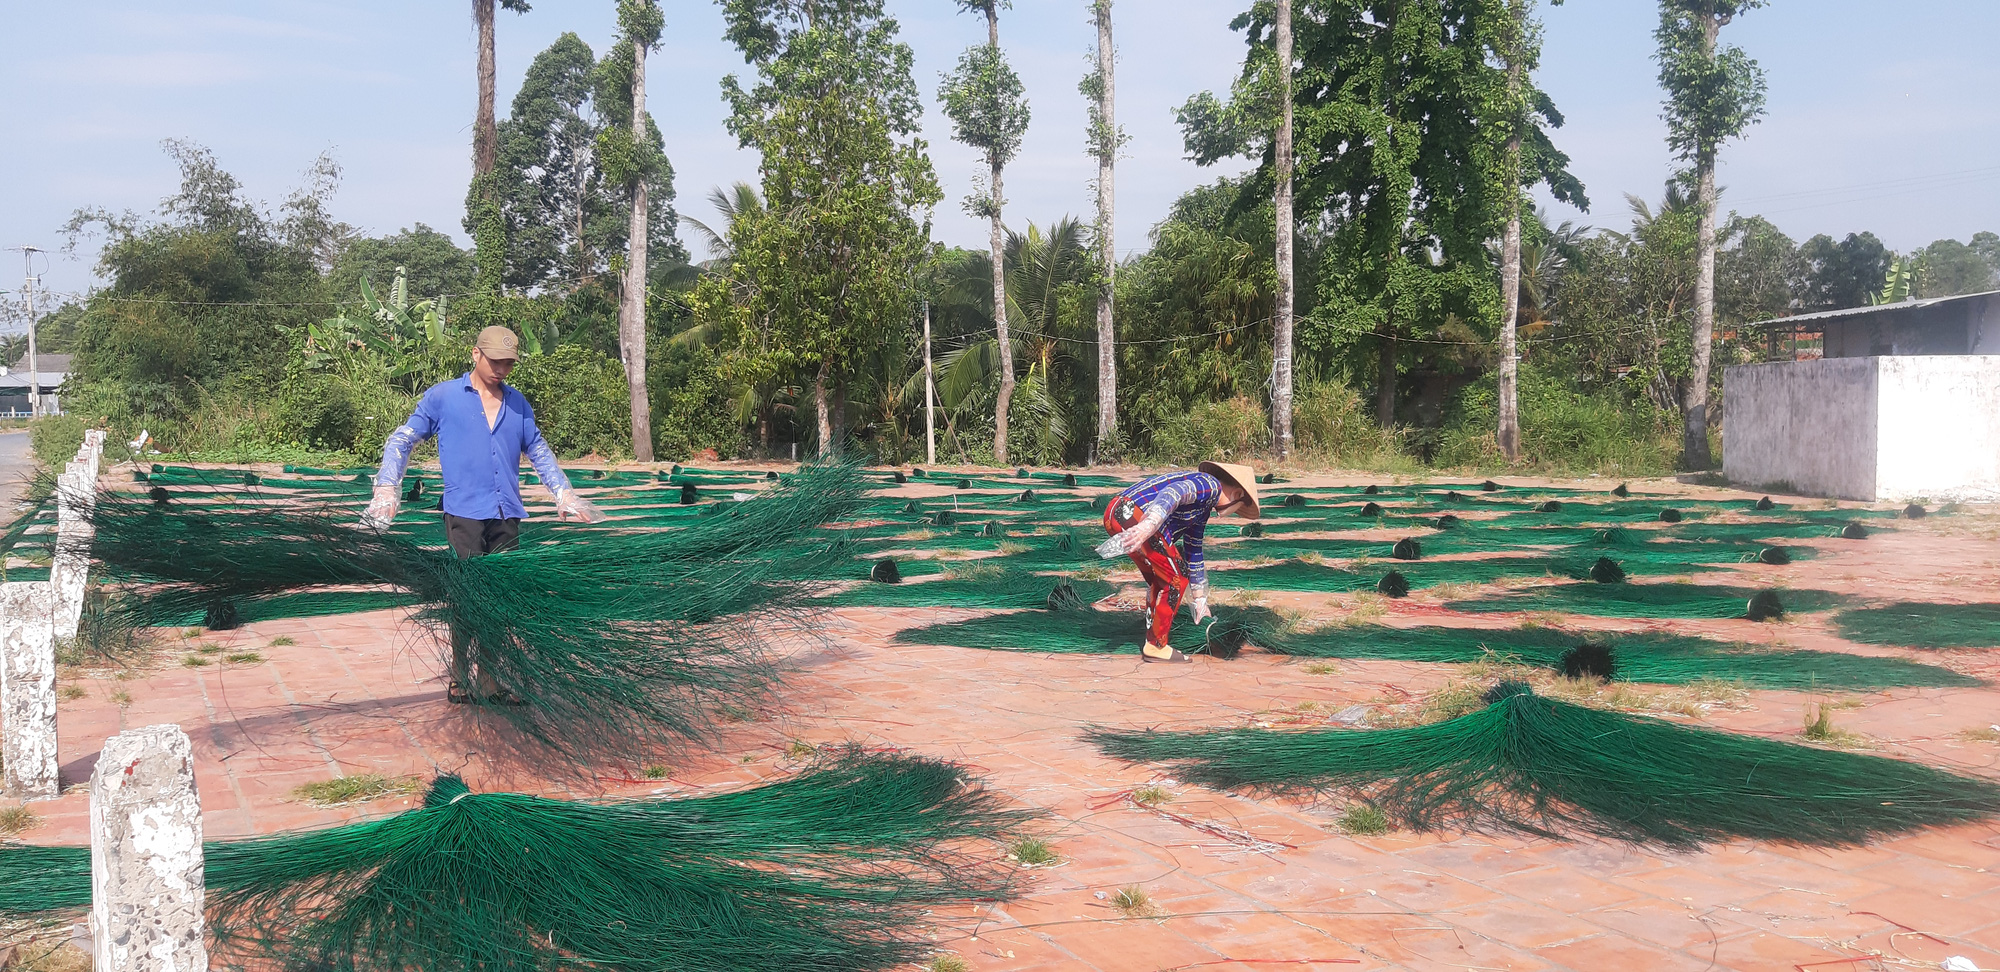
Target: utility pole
(34, 362)
(930, 394)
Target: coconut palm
(1044, 271)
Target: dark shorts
(475, 538)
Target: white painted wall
(1940, 427)
(1875, 428)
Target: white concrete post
(28, 691)
(146, 890)
(93, 449)
(69, 570)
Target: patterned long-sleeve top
(481, 463)
(1187, 499)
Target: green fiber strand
(1547, 768)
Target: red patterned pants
(1160, 563)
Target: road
(16, 466)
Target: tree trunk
(485, 134)
(1385, 387)
(930, 394)
(1281, 315)
(825, 414)
(1510, 264)
(1694, 433)
(632, 309)
(998, 242)
(1107, 160)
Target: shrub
(1562, 427)
(1329, 419)
(579, 399)
(1232, 428)
(55, 438)
(691, 411)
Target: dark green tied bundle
(830, 870)
(618, 640)
(1543, 767)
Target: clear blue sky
(1881, 118)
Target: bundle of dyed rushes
(831, 870)
(974, 587)
(1916, 625)
(1547, 768)
(1646, 600)
(618, 641)
(1083, 632)
(1640, 656)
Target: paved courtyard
(1235, 883)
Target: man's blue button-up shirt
(482, 465)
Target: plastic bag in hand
(569, 504)
(382, 509)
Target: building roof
(46, 362)
(16, 382)
(1901, 305)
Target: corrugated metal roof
(1901, 305)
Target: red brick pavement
(1282, 889)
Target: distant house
(14, 384)
(1904, 404)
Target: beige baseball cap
(498, 343)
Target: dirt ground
(1233, 883)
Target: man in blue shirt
(483, 427)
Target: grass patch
(283, 641)
(70, 693)
(1452, 701)
(1030, 851)
(361, 788)
(657, 772)
(800, 749)
(948, 963)
(1819, 728)
(193, 661)
(13, 820)
(1132, 901)
(1989, 734)
(122, 698)
(1362, 820)
(1320, 668)
(244, 658)
(1152, 795)
(209, 648)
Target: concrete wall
(1801, 426)
(1890, 428)
(1939, 427)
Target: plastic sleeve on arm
(396, 455)
(543, 459)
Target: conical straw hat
(1243, 477)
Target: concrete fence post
(28, 691)
(69, 573)
(146, 890)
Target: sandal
(1174, 657)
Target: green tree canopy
(825, 269)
